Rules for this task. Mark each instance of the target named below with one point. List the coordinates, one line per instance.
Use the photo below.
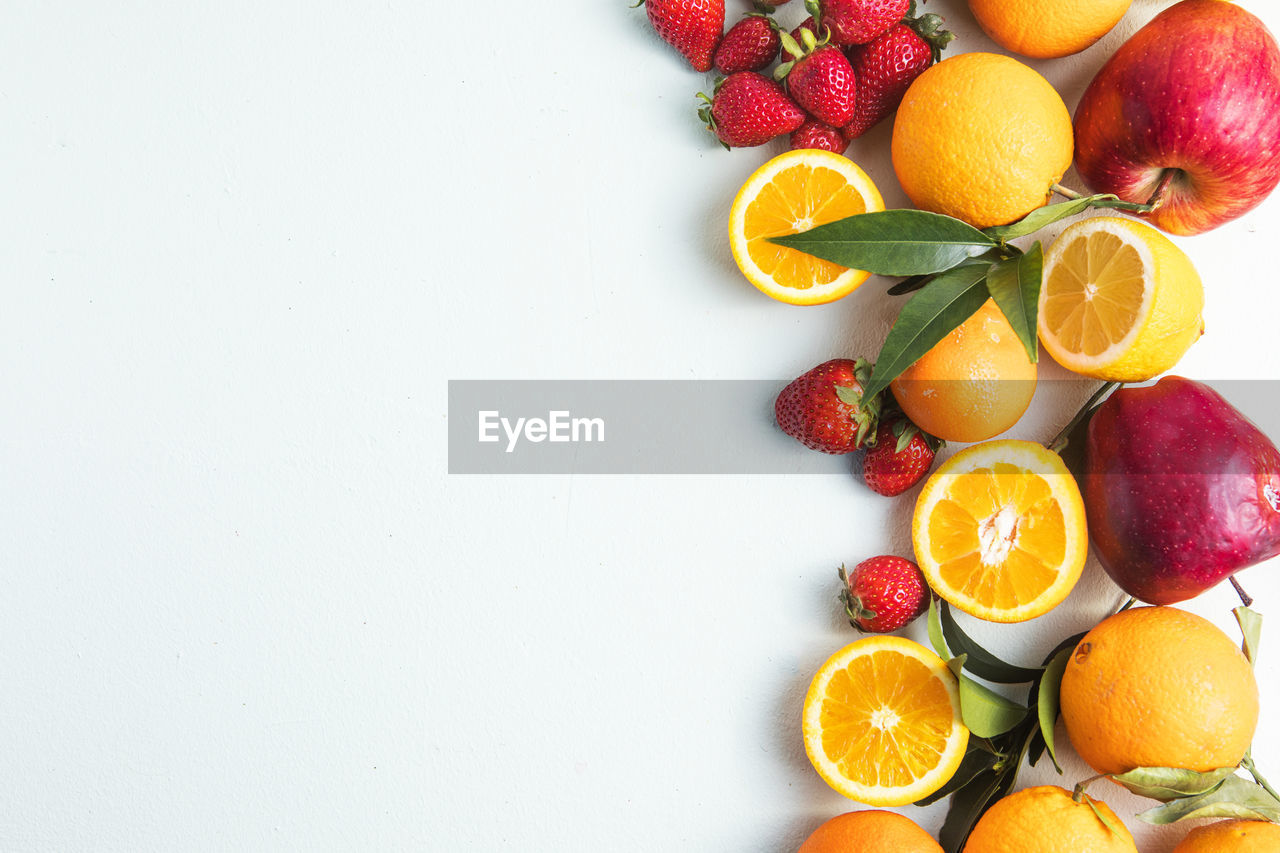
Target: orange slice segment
(882, 722)
(791, 193)
(999, 530)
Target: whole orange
(973, 385)
(1047, 820)
(1047, 30)
(1159, 687)
(1232, 836)
(981, 137)
(871, 831)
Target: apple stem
(1065, 191)
(1132, 601)
(1059, 442)
(1244, 596)
(1157, 197)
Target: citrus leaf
(892, 242)
(1015, 286)
(967, 807)
(981, 662)
(1106, 821)
(915, 282)
(1235, 797)
(985, 713)
(1051, 213)
(935, 631)
(1251, 629)
(1042, 216)
(977, 760)
(1047, 700)
(929, 316)
(1171, 783)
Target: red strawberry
(750, 45)
(816, 134)
(693, 27)
(886, 67)
(749, 109)
(820, 79)
(807, 24)
(900, 458)
(883, 594)
(824, 409)
(860, 21)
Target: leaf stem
(1065, 191)
(1078, 794)
(1248, 764)
(1059, 442)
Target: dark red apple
(1187, 111)
(1180, 490)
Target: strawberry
(807, 24)
(749, 109)
(886, 67)
(820, 79)
(816, 134)
(824, 409)
(884, 594)
(750, 45)
(692, 27)
(900, 458)
(858, 21)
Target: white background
(244, 605)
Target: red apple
(1186, 113)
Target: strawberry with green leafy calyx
(901, 457)
(825, 408)
(886, 67)
(819, 78)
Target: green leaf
(1042, 216)
(1251, 628)
(981, 662)
(1015, 286)
(978, 759)
(929, 316)
(1047, 700)
(1106, 821)
(967, 806)
(1235, 797)
(915, 282)
(892, 242)
(1051, 213)
(935, 631)
(985, 712)
(1171, 783)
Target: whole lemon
(1159, 687)
(981, 137)
(1047, 820)
(1232, 836)
(973, 385)
(1047, 30)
